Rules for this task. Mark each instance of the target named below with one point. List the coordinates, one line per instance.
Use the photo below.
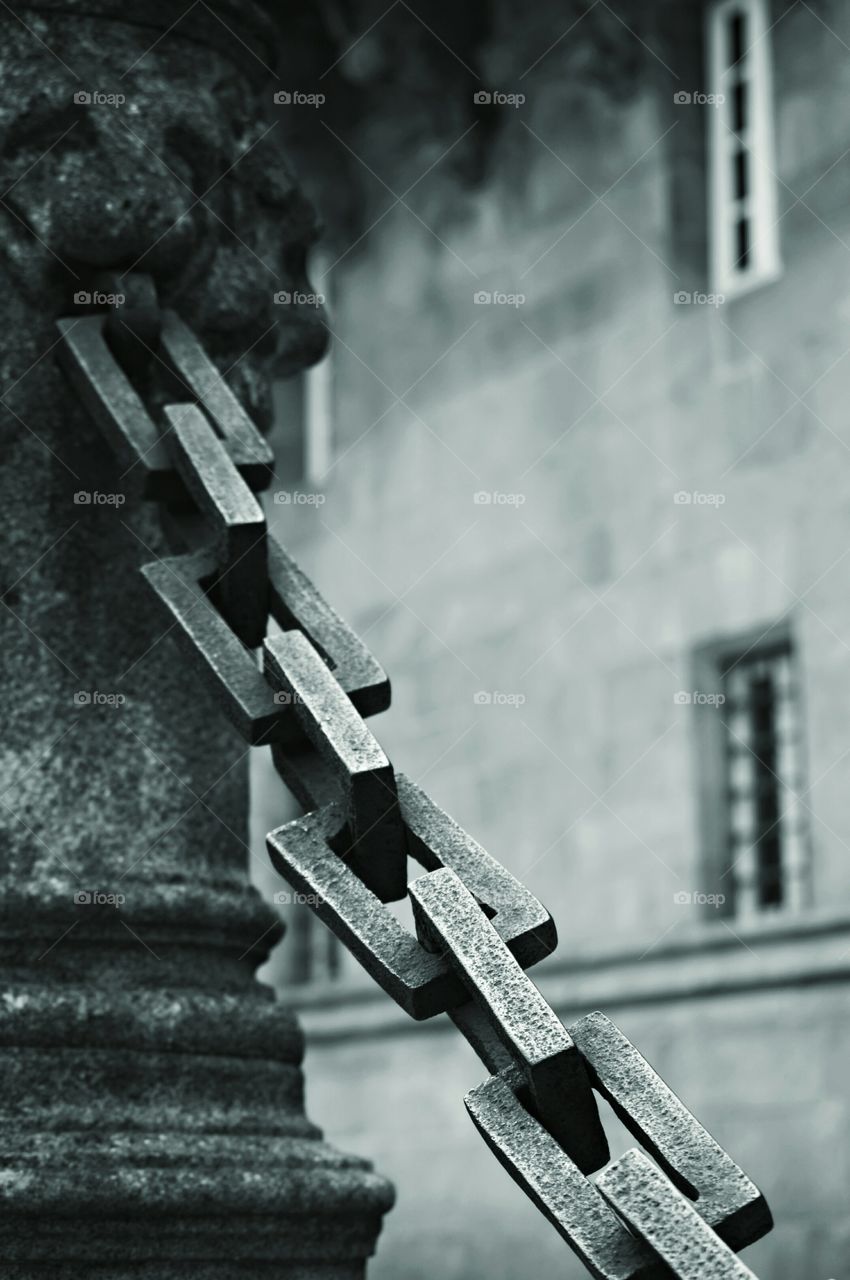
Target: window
(767, 840)
(318, 390)
(304, 407)
(318, 421)
(743, 221)
(751, 769)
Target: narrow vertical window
(318, 392)
(742, 217)
(304, 408)
(318, 422)
(766, 853)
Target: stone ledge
(247, 1024)
(89, 1178)
(717, 958)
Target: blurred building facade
(578, 467)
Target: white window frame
(318, 422)
(318, 408)
(758, 208)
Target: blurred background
(577, 467)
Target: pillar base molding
(139, 1201)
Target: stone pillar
(152, 1095)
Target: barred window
(743, 220)
(767, 859)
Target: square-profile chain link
(137, 442)
(236, 517)
(668, 1222)
(451, 923)
(180, 585)
(724, 1198)
(116, 409)
(556, 1185)
(422, 983)
(196, 373)
(374, 841)
(296, 604)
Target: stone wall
(583, 587)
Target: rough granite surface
(152, 1091)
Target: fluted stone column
(151, 1093)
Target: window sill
(736, 288)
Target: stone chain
(684, 1213)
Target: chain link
(477, 928)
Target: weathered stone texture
(152, 1095)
